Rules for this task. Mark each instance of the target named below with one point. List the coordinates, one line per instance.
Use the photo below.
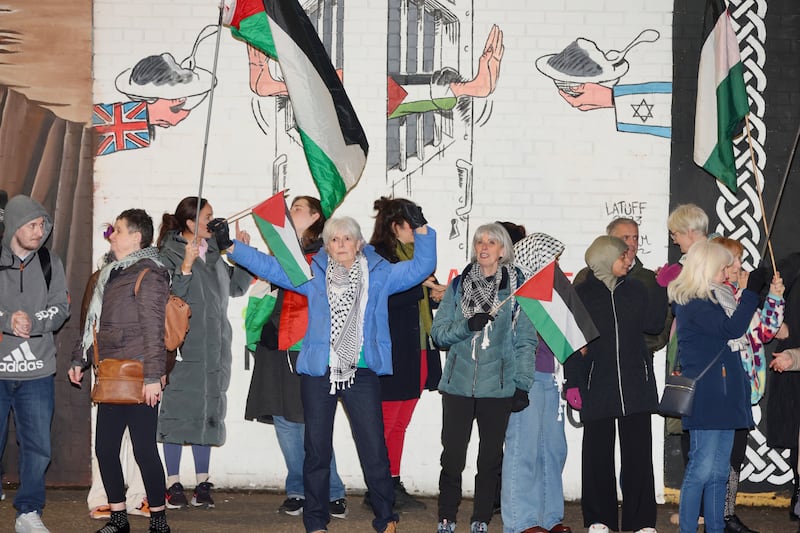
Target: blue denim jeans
(32, 402)
(290, 439)
(706, 477)
(535, 453)
(362, 403)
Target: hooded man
(33, 305)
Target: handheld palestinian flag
(721, 96)
(556, 310)
(260, 304)
(272, 219)
(334, 142)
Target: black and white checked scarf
(347, 296)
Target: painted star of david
(642, 110)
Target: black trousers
(458, 414)
(599, 483)
(141, 421)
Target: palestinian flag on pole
(554, 307)
(721, 96)
(272, 219)
(334, 142)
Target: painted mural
(558, 121)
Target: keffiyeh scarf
(479, 295)
(347, 296)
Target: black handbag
(678, 397)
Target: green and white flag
(334, 142)
(721, 96)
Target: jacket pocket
(589, 380)
(451, 360)
(724, 380)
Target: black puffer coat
(616, 374)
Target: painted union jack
(120, 126)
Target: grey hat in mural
(160, 76)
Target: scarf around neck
(347, 290)
(726, 298)
(405, 252)
(96, 304)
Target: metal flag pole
(780, 190)
(208, 123)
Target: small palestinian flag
(555, 309)
(272, 219)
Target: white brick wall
(536, 161)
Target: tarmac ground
(240, 512)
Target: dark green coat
(194, 404)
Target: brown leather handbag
(117, 381)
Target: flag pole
(759, 187)
(208, 123)
(782, 187)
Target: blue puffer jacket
(385, 279)
(722, 399)
(508, 362)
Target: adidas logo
(21, 359)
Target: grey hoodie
(23, 288)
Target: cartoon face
(165, 113)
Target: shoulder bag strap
(706, 369)
(139, 281)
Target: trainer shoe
(102, 512)
(391, 527)
(404, 501)
(176, 497)
(142, 510)
(338, 508)
(479, 527)
(30, 523)
(446, 526)
(292, 506)
(202, 495)
(598, 528)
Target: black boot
(403, 501)
(734, 525)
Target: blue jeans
(362, 403)
(706, 477)
(535, 453)
(290, 439)
(32, 402)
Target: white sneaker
(30, 523)
(598, 528)
(647, 530)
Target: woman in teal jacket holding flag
(487, 373)
(346, 348)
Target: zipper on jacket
(502, 373)
(589, 381)
(21, 269)
(724, 380)
(616, 341)
(475, 374)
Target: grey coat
(194, 404)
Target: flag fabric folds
(722, 100)
(554, 307)
(260, 304)
(334, 142)
(272, 219)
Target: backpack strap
(139, 281)
(45, 262)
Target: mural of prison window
(271, 107)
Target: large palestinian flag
(721, 96)
(334, 142)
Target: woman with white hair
(707, 328)
(487, 374)
(346, 348)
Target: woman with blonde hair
(708, 328)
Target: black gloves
(219, 228)
(520, 401)
(757, 279)
(413, 214)
(478, 321)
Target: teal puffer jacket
(508, 362)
